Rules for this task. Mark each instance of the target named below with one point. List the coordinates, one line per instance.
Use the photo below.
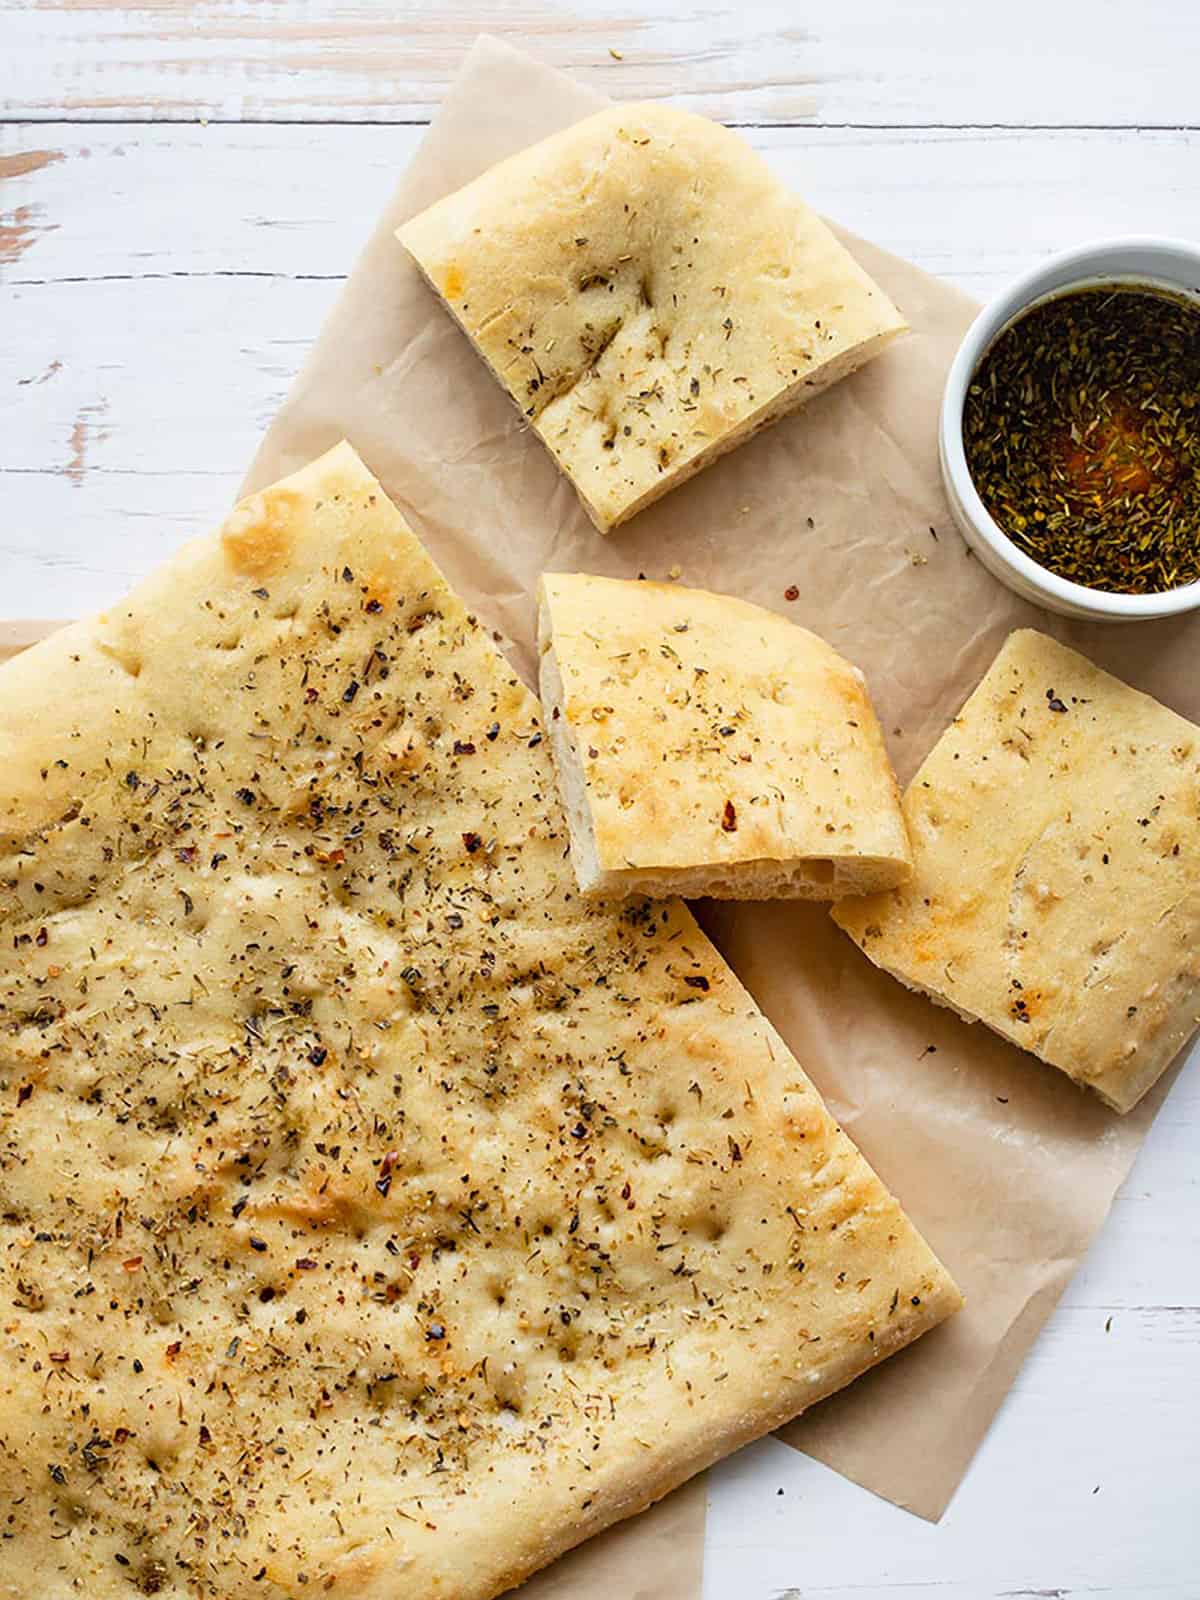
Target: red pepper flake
(23, 1093)
(472, 842)
(132, 1264)
(384, 1181)
(120, 1435)
(696, 981)
(174, 1348)
(187, 855)
(414, 1261)
(729, 818)
(60, 1357)
(791, 592)
(53, 971)
(306, 1264)
(310, 696)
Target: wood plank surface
(867, 62)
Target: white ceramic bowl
(1164, 263)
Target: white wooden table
(183, 183)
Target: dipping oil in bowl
(1081, 430)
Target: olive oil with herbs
(1082, 434)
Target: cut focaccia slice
(706, 746)
(379, 1218)
(649, 294)
(1056, 891)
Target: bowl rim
(1020, 296)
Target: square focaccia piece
(707, 746)
(1056, 893)
(649, 294)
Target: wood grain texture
(868, 62)
(161, 285)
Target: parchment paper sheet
(1006, 1166)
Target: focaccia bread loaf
(1056, 893)
(707, 746)
(379, 1218)
(649, 294)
